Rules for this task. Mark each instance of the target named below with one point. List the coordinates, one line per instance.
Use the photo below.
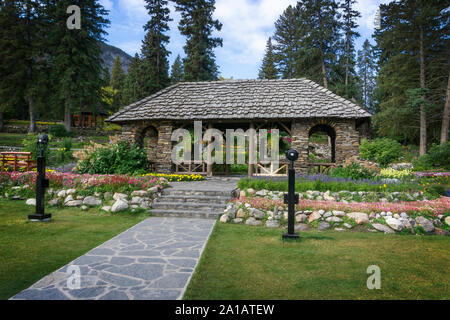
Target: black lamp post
(41, 183)
(291, 199)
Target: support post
(209, 154)
(291, 199)
(251, 149)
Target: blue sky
(247, 24)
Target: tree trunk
(1, 121)
(67, 118)
(423, 114)
(347, 63)
(324, 73)
(32, 115)
(446, 117)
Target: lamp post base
(290, 236)
(39, 217)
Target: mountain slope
(109, 54)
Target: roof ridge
(138, 103)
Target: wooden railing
(271, 170)
(191, 167)
(17, 160)
(321, 167)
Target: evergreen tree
(22, 67)
(268, 69)
(197, 25)
(155, 65)
(132, 91)
(286, 41)
(177, 71)
(76, 60)
(318, 34)
(411, 45)
(367, 75)
(117, 83)
(349, 26)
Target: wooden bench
(17, 160)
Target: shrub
(395, 174)
(382, 150)
(119, 158)
(30, 145)
(58, 131)
(437, 156)
(353, 171)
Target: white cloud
(247, 25)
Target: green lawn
(243, 262)
(30, 251)
(15, 140)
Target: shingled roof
(241, 99)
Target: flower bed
(177, 177)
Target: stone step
(190, 192)
(189, 206)
(184, 213)
(193, 198)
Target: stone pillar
(152, 148)
(300, 137)
(128, 133)
(347, 140)
(164, 148)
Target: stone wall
(159, 149)
(346, 143)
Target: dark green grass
(242, 262)
(16, 140)
(30, 251)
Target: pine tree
(155, 65)
(22, 68)
(177, 71)
(117, 83)
(132, 91)
(268, 69)
(367, 75)
(411, 45)
(349, 26)
(286, 41)
(318, 36)
(77, 64)
(197, 25)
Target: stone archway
(328, 147)
(147, 138)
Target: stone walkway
(153, 260)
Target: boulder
(382, 228)
(272, 224)
(224, 218)
(253, 222)
(426, 224)
(323, 226)
(31, 202)
(242, 194)
(73, 203)
(251, 191)
(145, 205)
(54, 202)
(84, 208)
(327, 214)
(314, 216)
(92, 201)
(338, 213)
(359, 217)
(106, 208)
(240, 213)
(139, 193)
(71, 191)
(238, 220)
(348, 225)
(301, 227)
(261, 193)
(119, 205)
(395, 224)
(258, 214)
(333, 219)
(447, 220)
(68, 198)
(136, 200)
(301, 217)
(118, 196)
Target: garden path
(154, 260)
